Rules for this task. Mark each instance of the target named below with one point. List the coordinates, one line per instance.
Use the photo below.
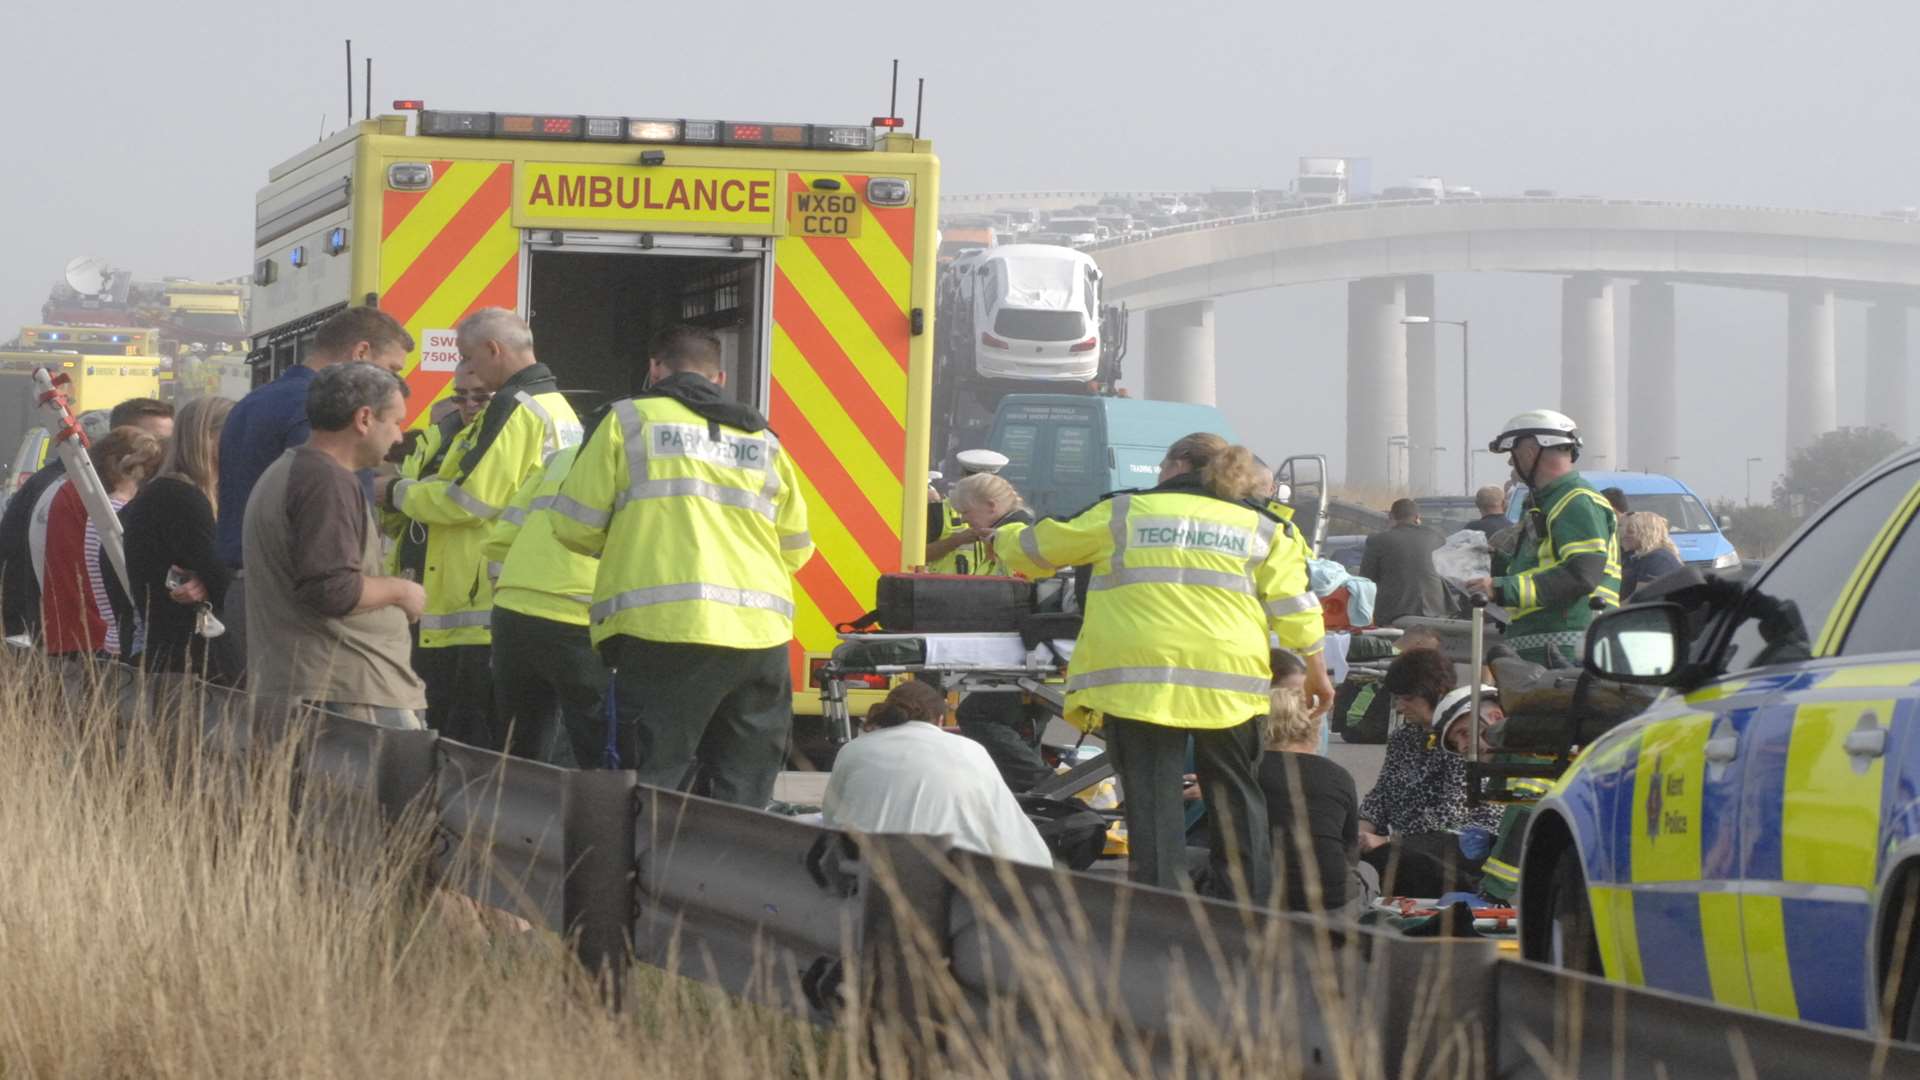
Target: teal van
(1066, 450)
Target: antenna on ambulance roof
(893, 96)
(919, 102)
(349, 82)
(368, 104)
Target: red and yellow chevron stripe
(840, 341)
(444, 253)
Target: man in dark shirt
(1491, 501)
(274, 417)
(332, 631)
(1400, 562)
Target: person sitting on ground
(1312, 808)
(985, 501)
(1650, 551)
(905, 775)
(1412, 820)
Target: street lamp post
(1750, 462)
(1466, 392)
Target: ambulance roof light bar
(483, 125)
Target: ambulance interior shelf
(964, 661)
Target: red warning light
(410, 104)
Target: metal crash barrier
(809, 919)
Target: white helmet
(1543, 426)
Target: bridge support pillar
(1586, 365)
(1180, 353)
(1423, 380)
(1653, 383)
(1811, 409)
(1887, 367)
(1376, 382)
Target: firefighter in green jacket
(1568, 555)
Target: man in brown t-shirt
(324, 629)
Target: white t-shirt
(37, 530)
(918, 779)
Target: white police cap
(981, 461)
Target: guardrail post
(597, 899)
(904, 935)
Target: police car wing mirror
(1644, 643)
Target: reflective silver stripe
(1789, 890)
(1030, 546)
(1170, 676)
(677, 594)
(400, 491)
(514, 515)
(1292, 605)
(542, 502)
(493, 570)
(796, 541)
(1262, 545)
(557, 436)
(633, 433)
(471, 505)
(1173, 575)
(704, 489)
(1118, 527)
(580, 598)
(567, 506)
(771, 488)
(456, 620)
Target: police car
(1754, 838)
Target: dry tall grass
(166, 914)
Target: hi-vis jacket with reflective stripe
(1568, 553)
(531, 572)
(460, 504)
(951, 523)
(423, 461)
(1185, 588)
(699, 528)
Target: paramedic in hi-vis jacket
(1188, 578)
(696, 515)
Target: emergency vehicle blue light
(336, 240)
(297, 257)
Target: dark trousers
(729, 711)
(459, 682)
(1001, 722)
(1149, 760)
(1423, 865)
(548, 687)
(233, 612)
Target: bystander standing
(178, 577)
(327, 630)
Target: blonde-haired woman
(1650, 551)
(1313, 809)
(1188, 578)
(170, 533)
(986, 501)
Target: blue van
(1694, 529)
(1066, 450)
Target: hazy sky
(140, 132)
